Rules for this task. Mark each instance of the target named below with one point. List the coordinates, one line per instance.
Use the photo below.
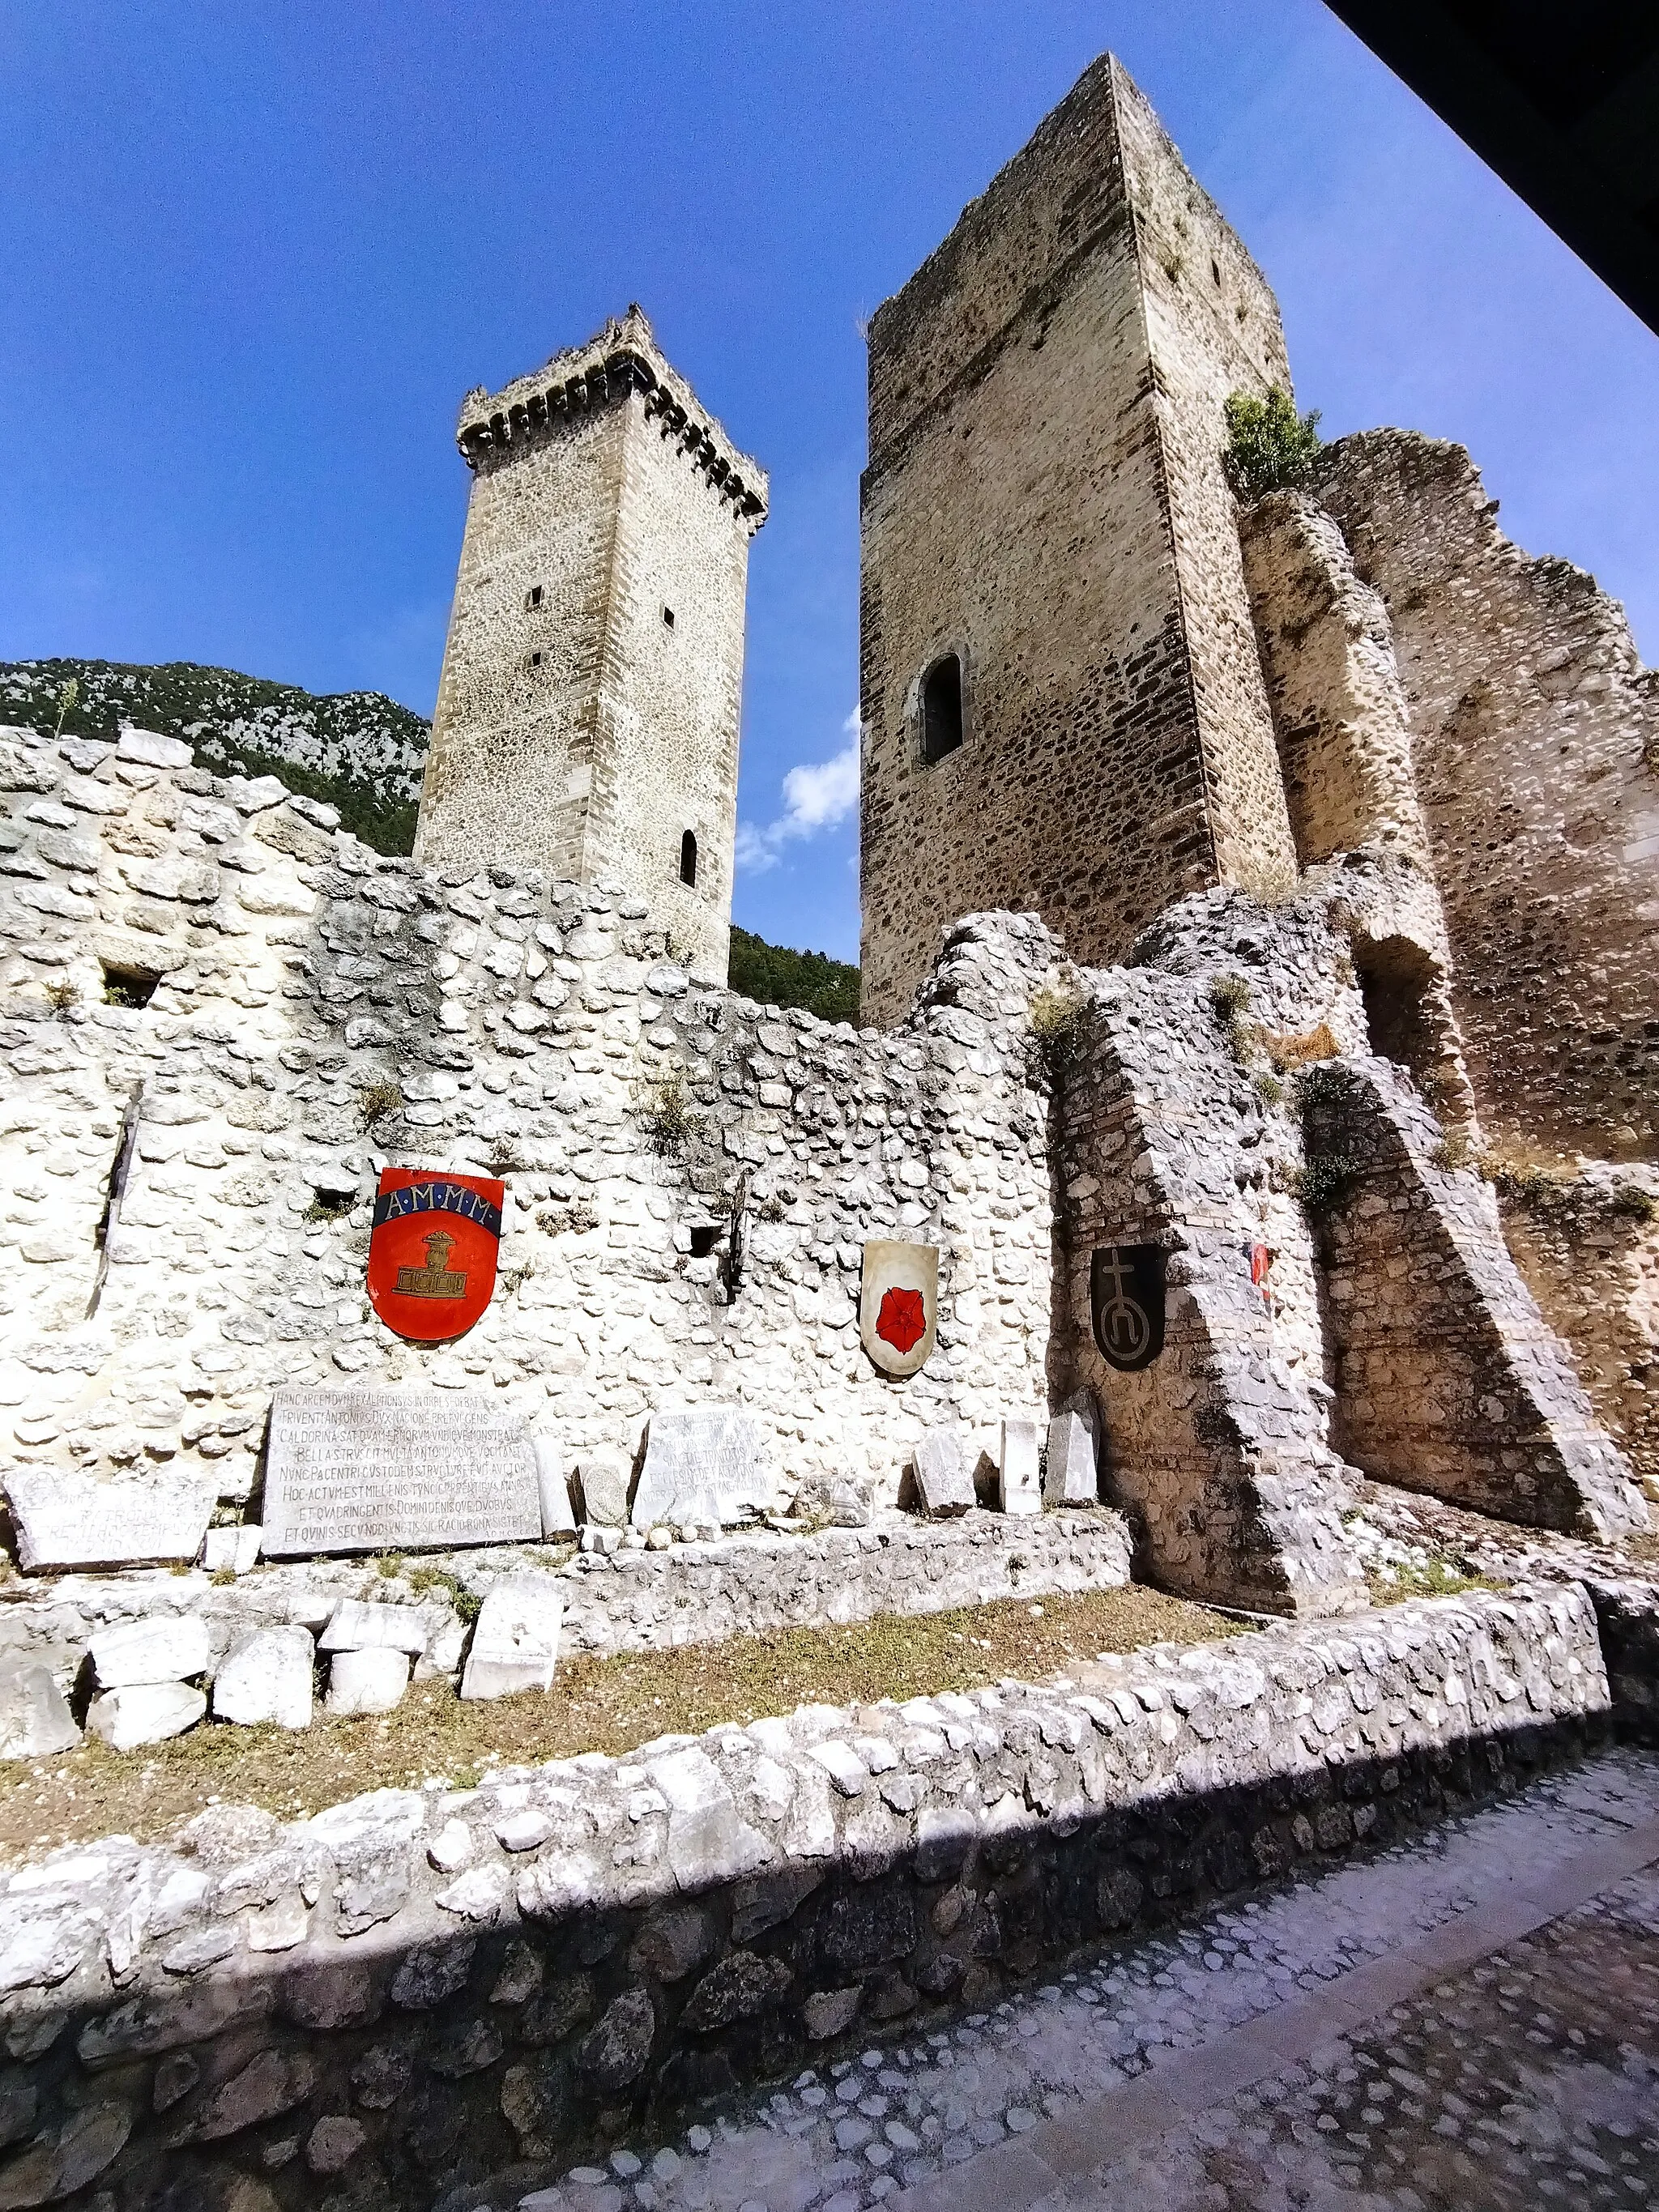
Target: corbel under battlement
(622, 358)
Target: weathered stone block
(356, 1626)
(163, 1648)
(604, 1479)
(149, 1713)
(396, 1470)
(1070, 1477)
(35, 1722)
(945, 1481)
(370, 1681)
(67, 1520)
(266, 1677)
(515, 1643)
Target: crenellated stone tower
(587, 715)
(1063, 703)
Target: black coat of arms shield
(1126, 1294)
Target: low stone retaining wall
(421, 1987)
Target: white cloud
(816, 795)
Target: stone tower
(1063, 705)
(587, 713)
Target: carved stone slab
(944, 1479)
(898, 1304)
(395, 1471)
(68, 1520)
(703, 1467)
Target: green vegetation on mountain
(357, 751)
(775, 975)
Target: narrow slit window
(533, 598)
(941, 709)
(668, 617)
(689, 858)
(535, 661)
(1215, 270)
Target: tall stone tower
(587, 713)
(1063, 706)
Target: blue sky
(250, 258)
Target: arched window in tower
(689, 858)
(941, 709)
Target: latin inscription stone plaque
(65, 1519)
(706, 1465)
(395, 1471)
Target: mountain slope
(358, 750)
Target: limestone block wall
(319, 1010)
(1395, 1333)
(1212, 329)
(587, 715)
(417, 1988)
(1044, 500)
(1535, 738)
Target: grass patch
(610, 1705)
(1433, 1578)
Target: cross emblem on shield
(1126, 1294)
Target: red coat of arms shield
(432, 1250)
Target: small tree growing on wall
(1270, 448)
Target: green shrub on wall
(1270, 448)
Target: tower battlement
(576, 384)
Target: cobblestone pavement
(1468, 2020)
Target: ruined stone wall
(1588, 1252)
(587, 716)
(1340, 713)
(322, 1011)
(411, 1991)
(1535, 738)
(1393, 1334)
(1044, 499)
(1449, 1379)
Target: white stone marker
(355, 1625)
(66, 1520)
(149, 1713)
(705, 1466)
(553, 1486)
(374, 1470)
(237, 1548)
(1019, 1486)
(366, 1681)
(165, 1648)
(1069, 1478)
(266, 1677)
(515, 1643)
(35, 1720)
(944, 1480)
